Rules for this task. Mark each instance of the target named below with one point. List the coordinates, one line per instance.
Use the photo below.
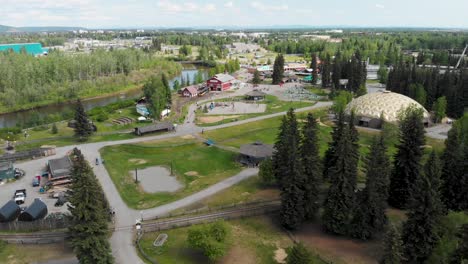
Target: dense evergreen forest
(27, 81)
(426, 85)
(382, 48)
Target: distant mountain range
(9, 29)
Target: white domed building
(371, 108)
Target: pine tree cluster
(451, 84)
(296, 165)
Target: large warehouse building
(371, 108)
(35, 49)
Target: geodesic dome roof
(382, 104)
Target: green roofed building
(308, 78)
(35, 49)
(6, 170)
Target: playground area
(291, 92)
(234, 108)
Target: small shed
(6, 170)
(9, 211)
(254, 153)
(36, 211)
(59, 168)
(255, 95)
(163, 126)
(190, 91)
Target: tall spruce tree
(408, 157)
(460, 255)
(89, 213)
(455, 180)
(340, 201)
(289, 172)
(337, 71)
(337, 133)
(313, 66)
(256, 78)
(369, 217)
(278, 69)
(425, 211)
(311, 164)
(392, 246)
(83, 129)
(167, 89)
(326, 68)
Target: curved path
(123, 248)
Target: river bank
(56, 111)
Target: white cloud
(209, 8)
(380, 6)
(268, 8)
(169, 7)
(229, 4)
(187, 7)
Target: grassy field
(25, 254)
(250, 190)
(266, 131)
(185, 155)
(254, 240)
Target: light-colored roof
(382, 104)
(224, 77)
(191, 89)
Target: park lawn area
(25, 254)
(265, 131)
(207, 166)
(246, 191)
(253, 240)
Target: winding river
(11, 119)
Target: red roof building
(220, 82)
(190, 91)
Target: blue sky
(243, 13)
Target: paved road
(122, 239)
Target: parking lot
(35, 167)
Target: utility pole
(136, 175)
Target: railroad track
(212, 216)
(35, 238)
(156, 225)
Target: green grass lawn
(25, 254)
(254, 240)
(211, 165)
(250, 190)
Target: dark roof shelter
(60, 167)
(254, 153)
(36, 211)
(255, 95)
(163, 126)
(9, 211)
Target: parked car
(19, 196)
(36, 181)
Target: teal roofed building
(35, 49)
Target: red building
(220, 82)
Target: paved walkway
(123, 248)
